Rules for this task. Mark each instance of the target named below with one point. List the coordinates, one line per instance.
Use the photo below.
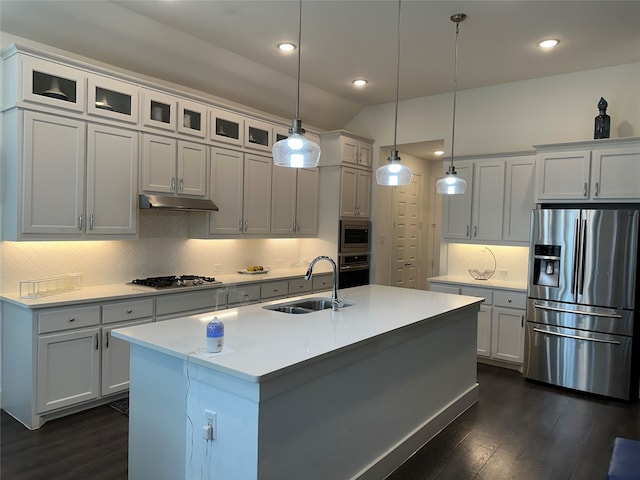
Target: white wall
(511, 117)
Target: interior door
(406, 234)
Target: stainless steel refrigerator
(583, 294)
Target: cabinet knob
(72, 319)
(129, 310)
(509, 300)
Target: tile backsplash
(163, 248)
(511, 262)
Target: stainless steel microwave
(355, 236)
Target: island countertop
(261, 344)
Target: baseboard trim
(388, 462)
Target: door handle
(577, 337)
(577, 312)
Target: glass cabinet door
(226, 127)
(159, 110)
(192, 118)
(280, 133)
(112, 99)
(53, 84)
(258, 135)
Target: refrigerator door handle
(576, 255)
(577, 337)
(583, 254)
(577, 312)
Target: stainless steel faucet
(335, 302)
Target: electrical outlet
(209, 428)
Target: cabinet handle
(72, 319)
(106, 340)
(475, 231)
(240, 225)
(182, 184)
(81, 222)
(584, 190)
(97, 341)
(597, 188)
(246, 225)
(521, 320)
(467, 234)
(173, 184)
(91, 222)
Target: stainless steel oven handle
(566, 310)
(354, 267)
(576, 337)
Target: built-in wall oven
(354, 252)
(353, 270)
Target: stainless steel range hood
(184, 204)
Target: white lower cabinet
(500, 321)
(68, 368)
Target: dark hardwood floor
(518, 430)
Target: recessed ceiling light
(359, 82)
(439, 152)
(286, 47)
(548, 43)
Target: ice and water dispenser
(546, 265)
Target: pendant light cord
(455, 90)
(299, 48)
(395, 130)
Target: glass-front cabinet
(158, 110)
(226, 127)
(112, 99)
(258, 135)
(192, 118)
(53, 84)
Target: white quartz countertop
(98, 293)
(261, 343)
(491, 283)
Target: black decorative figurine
(603, 121)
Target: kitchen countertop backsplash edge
(118, 291)
(491, 283)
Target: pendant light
(452, 184)
(297, 151)
(394, 173)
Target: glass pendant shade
(296, 151)
(393, 173)
(451, 183)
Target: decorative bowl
(478, 275)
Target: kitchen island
(329, 394)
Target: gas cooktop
(173, 281)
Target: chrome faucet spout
(335, 302)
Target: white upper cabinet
(355, 192)
(519, 198)
(497, 204)
(226, 127)
(112, 99)
(596, 171)
(294, 201)
(53, 172)
(173, 166)
(159, 110)
(344, 148)
(112, 181)
(258, 135)
(51, 84)
(192, 118)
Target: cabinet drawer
(299, 286)
(68, 318)
(322, 282)
(478, 292)
(244, 294)
(273, 289)
(510, 299)
(188, 302)
(444, 288)
(131, 310)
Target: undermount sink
(306, 305)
